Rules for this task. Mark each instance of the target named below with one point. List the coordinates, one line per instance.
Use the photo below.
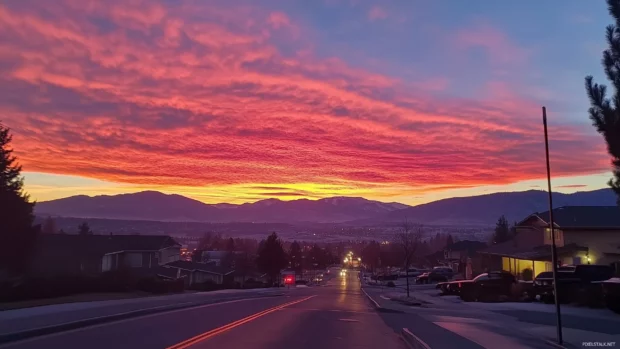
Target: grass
(85, 297)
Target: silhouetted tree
(502, 231)
(49, 226)
(296, 257)
(271, 257)
(449, 241)
(84, 229)
(318, 257)
(17, 234)
(409, 241)
(605, 112)
(371, 255)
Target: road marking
(349, 320)
(416, 338)
(222, 329)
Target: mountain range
(482, 210)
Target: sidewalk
(25, 322)
(498, 320)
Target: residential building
(64, 254)
(583, 235)
(196, 273)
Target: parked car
(575, 283)
(449, 287)
(432, 276)
(486, 286)
(413, 272)
(611, 294)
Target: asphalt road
(333, 316)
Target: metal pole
(554, 257)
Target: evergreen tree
(17, 235)
(49, 226)
(449, 241)
(605, 112)
(84, 229)
(502, 231)
(271, 257)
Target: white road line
(416, 338)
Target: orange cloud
(148, 94)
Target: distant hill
(486, 209)
(152, 205)
(480, 210)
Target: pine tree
(49, 226)
(84, 229)
(502, 231)
(271, 257)
(17, 235)
(605, 112)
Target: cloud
(567, 186)
(203, 95)
(501, 50)
(377, 13)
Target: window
(106, 263)
(133, 260)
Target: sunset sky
(238, 101)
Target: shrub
(391, 284)
(158, 286)
(527, 274)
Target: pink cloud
(377, 13)
(500, 49)
(210, 100)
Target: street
(336, 315)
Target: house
(196, 273)
(583, 234)
(217, 257)
(64, 254)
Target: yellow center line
(221, 329)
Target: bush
(206, 286)
(391, 284)
(527, 274)
(158, 286)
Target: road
(334, 316)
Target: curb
(374, 302)
(67, 326)
(412, 340)
(552, 343)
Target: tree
(409, 239)
(296, 257)
(605, 112)
(271, 257)
(17, 233)
(318, 257)
(371, 255)
(84, 229)
(502, 231)
(49, 226)
(449, 241)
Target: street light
(346, 260)
(359, 259)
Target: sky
(238, 101)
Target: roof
(104, 244)
(467, 245)
(597, 217)
(195, 266)
(543, 252)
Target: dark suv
(573, 282)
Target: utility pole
(554, 257)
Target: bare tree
(409, 237)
